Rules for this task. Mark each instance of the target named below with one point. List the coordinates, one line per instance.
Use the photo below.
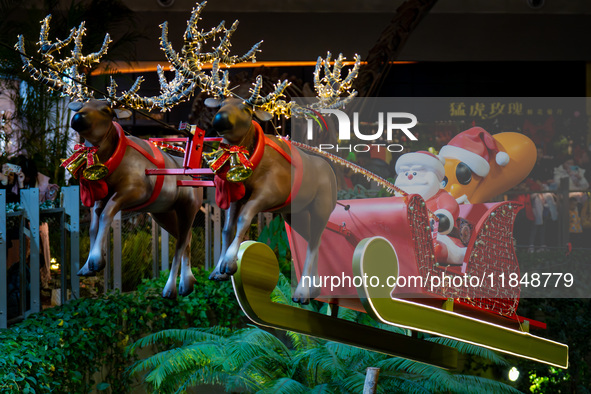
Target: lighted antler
(188, 66)
(329, 90)
(62, 75)
(256, 99)
(331, 87)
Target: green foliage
(61, 348)
(136, 256)
(568, 321)
(255, 360)
(275, 236)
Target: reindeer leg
(306, 288)
(97, 257)
(187, 278)
(95, 214)
(227, 232)
(319, 213)
(185, 219)
(249, 210)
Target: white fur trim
(502, 158)
(477, 163)
(449, 216)
(455, 254)
(414, 158)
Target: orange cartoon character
(479, 166)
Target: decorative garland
(390, 187)
(164, 146)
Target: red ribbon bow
(228, 151)
(81, 150)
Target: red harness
(91, 191)
(227, 192)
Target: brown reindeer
(129, 188)
(124, 185)
(284, 179)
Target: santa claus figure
(422, 173)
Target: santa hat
(423, 158)
(475, 147)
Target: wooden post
(371, 380)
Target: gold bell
(75, 166)
(237, 171)
(95, 171)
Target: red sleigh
(391, 237)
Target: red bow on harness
(90, 191)
(226, 152)
(87, 152)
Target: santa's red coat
(444, 200)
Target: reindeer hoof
(185, 290)
(170, 294)
(216, 275)
(86, 272)
(303, 294)
(229, 268)
(302, 300)
(97, 267)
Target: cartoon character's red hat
(476, 148)
(423, 158)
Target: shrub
(61, 348)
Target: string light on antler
(331, 87)
(188, 66)
(68, 74)
(329, 90)
(73, 84)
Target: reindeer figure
(284, 179)
(122, 183)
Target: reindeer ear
(75, 106)
(212, 103)
(122, 113)
(262, 115)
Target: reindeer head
(234, 117)
(93, 119)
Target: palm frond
(323, 388)
(285, 386)
(202, 376)
(301, 341)
(180, 335)
(478, 385)
(352, 355)
(473, 350)
(402, 385)
(348, 314)
(417, 369)
(175, 361)
(321, 364)
(353, 383)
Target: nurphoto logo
(402, 121)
